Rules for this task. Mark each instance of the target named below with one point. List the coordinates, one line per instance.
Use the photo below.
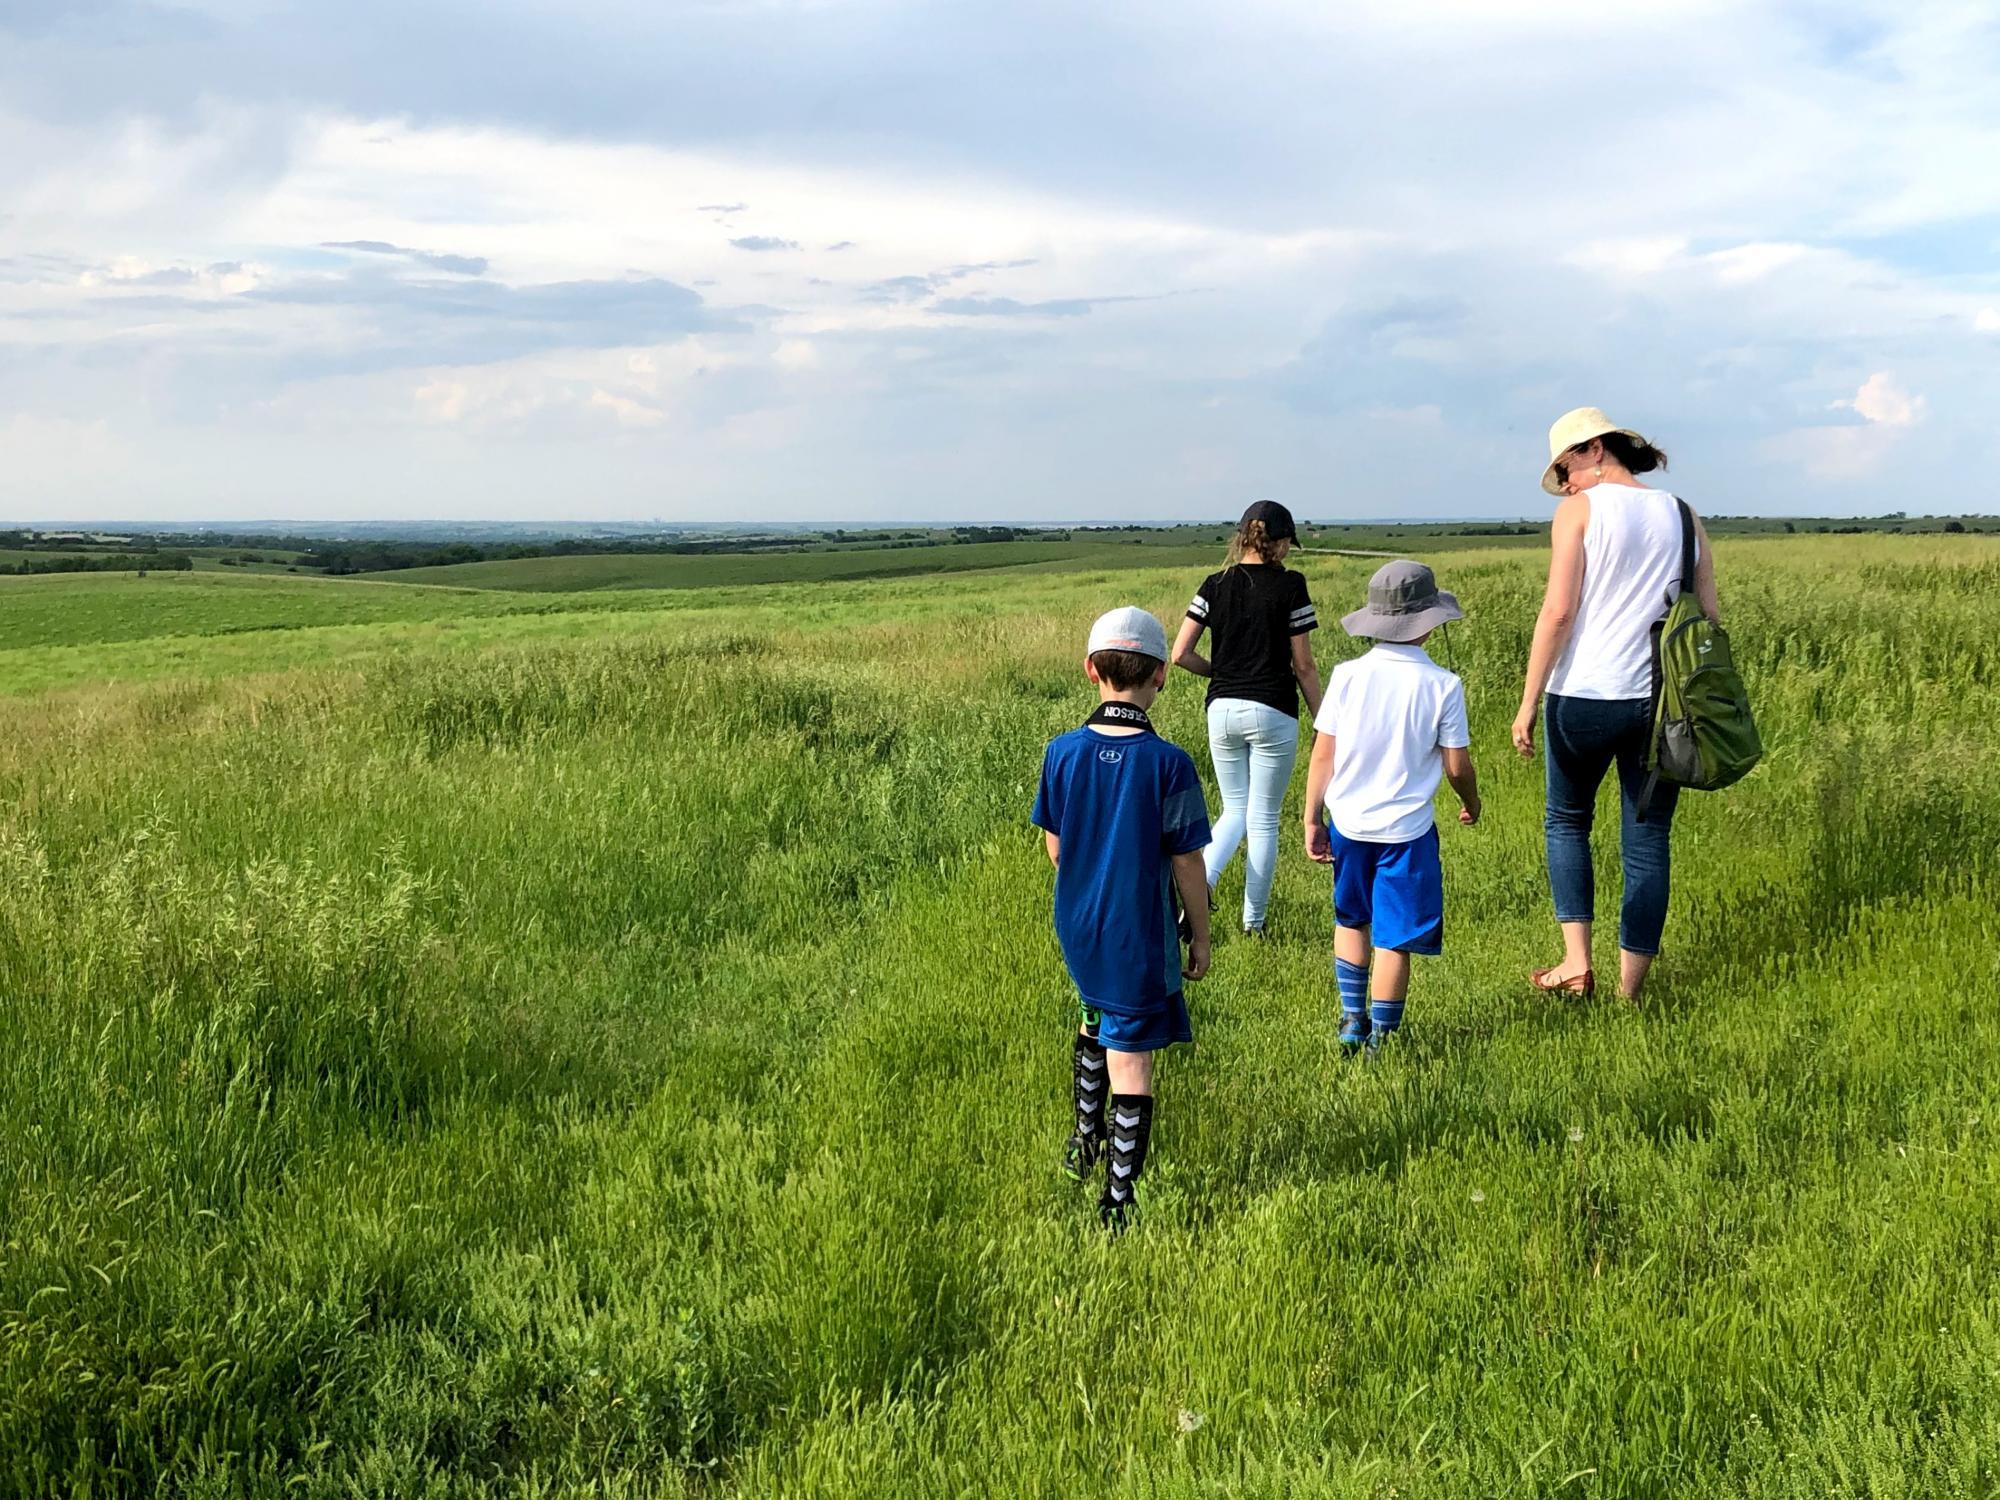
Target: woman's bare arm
(1558, 614)
(1704, 575)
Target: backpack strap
(1687, 546)
(1687, 587)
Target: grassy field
(721, 570)
(467, 1041)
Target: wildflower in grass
(1576, 1135)
(1189, 1421)
(1479, 1195)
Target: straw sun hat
(1574, 427)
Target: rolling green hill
(721, 570)
(460, 1042)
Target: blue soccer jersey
(1123, 806)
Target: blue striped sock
(1384, 1016)
(1353, 982)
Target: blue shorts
(1160, 1027)
(1397, 889)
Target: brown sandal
(1577, 984)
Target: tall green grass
(630, 1058)
(658, 570)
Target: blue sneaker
(1353, 1030)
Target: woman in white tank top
(1615, 566)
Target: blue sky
(860, 259)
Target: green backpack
(1704, 736)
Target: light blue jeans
(1253, 747)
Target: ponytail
(1251, 536)
(1636, 454)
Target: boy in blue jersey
(1126, 825)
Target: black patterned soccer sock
(1131, 1131)
(1090, 1083)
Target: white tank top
(1631, 569)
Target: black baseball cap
(1278, 524)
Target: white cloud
(1343, 254)
(629, 412)
(1881, 400)
(1836, 455)
(443, 400)
(1753, 262)
(1854, 451)
(796, 354)
(1643, 256)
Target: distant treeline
(390, 557)
(84, 552)
(69, 541)
(101, 562)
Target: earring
(1600, 471)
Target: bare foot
(1632, 971)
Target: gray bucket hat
(1404, 602)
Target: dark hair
(1125, 670)
(1638, 456)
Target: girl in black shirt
(1258, 664)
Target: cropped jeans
(1585, 737)
(1253, 747)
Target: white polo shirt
(1390, 712)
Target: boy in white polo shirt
(1392, 725)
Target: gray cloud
(1433, 314)
(124, 23)
(760, 242)
(1262, 154)
(458, 265)
(469, 322)
(166, 276)
(899, 289)
(1007, 307)
(198, 353)
(463, 265)
(230, 344)
(914, 288)
(975, 268)
(40, 266)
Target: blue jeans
(1253, 746)
(1584, 737)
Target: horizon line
(212, 524)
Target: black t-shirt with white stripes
(1253, 610)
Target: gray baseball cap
(1404, 602)
(1128, 629)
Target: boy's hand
(1196, 966)
(1469, 813)
(1319, 844)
